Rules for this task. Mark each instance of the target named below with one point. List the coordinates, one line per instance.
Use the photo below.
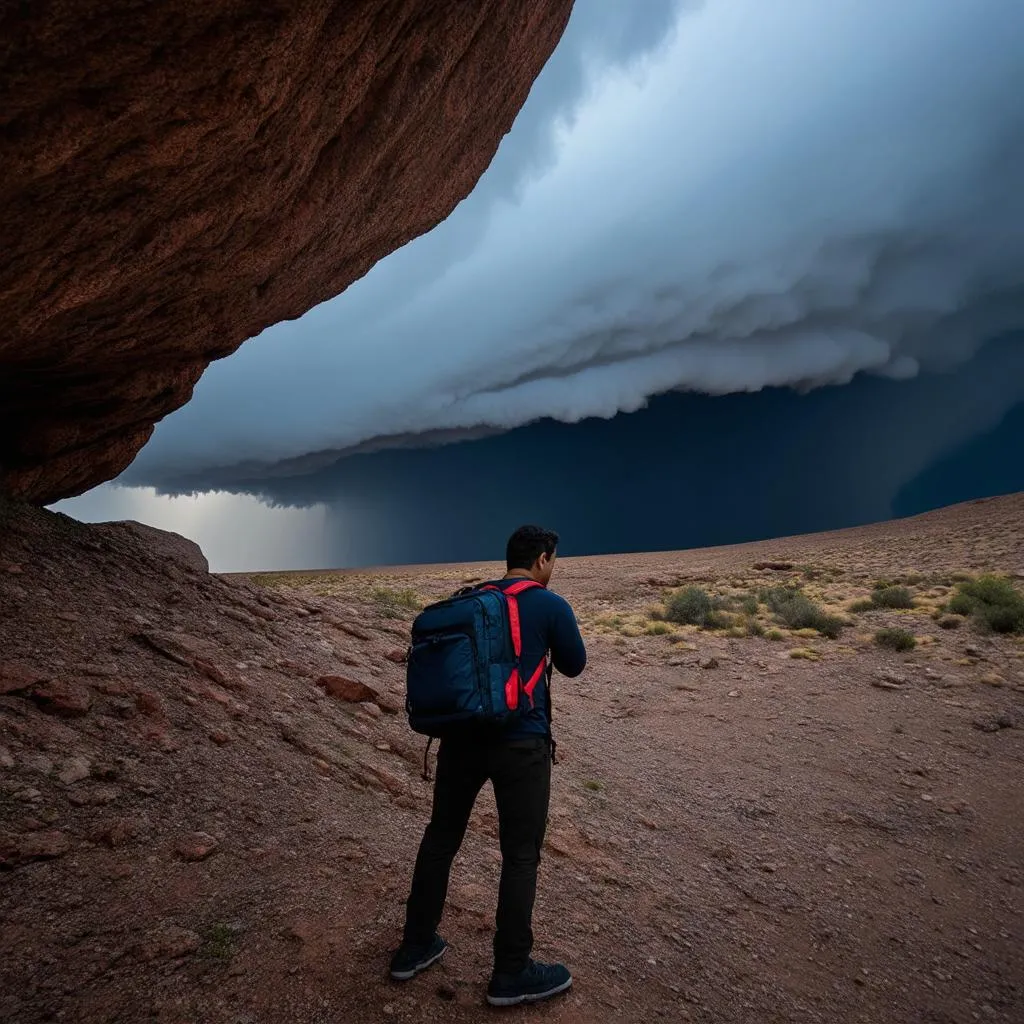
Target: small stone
(349, 690)
(97, 671)
(216, 673)
(370, 709)
(16, 850)
(111, 688)
(196, 846)
(399, 655)
(65, 700)
(927, 797)
(75, 769)
(14, 678)
(171, 943)
(734, 693)
(148, 703)
(888, 675)
(708, 663)
(993, 723)
(446, 991)
(355, 631)
(220, 737)
(180, 942)
(115, 833)
(993, 679)
(6, 758)
(93, 797)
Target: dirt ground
(210, 800)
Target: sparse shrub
(658, 629)
(804, 654)
(795, 609)
(992, 602)
(896, 639)
(892, 597)
(1001, 618)
(951, 621)
(754, 628)
(219, 942)
(749, 604)
(863, 605)
(690, 606)
(775, 634)
(593, 785)
(395, 604)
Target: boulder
(178, 176)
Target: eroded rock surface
(175, 177)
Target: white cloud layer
(758, 194)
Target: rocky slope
(177, 176)
(209, 805)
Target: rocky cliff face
(177, 176)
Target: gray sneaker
(410, 959)
(532, 984)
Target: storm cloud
(715, 198)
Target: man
(518, 763)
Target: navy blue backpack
(464, 670)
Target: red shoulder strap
(512, 593)
(517, 588)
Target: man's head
(531, 549)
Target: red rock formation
(176, 176)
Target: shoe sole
(529, 997)
(409, 975)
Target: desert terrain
(210, 800)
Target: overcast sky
(714, 197)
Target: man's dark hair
(527, 544)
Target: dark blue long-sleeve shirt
(547, 623)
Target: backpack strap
(514, 681)
(512, 594)
(426, 759)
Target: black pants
(520, 771)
